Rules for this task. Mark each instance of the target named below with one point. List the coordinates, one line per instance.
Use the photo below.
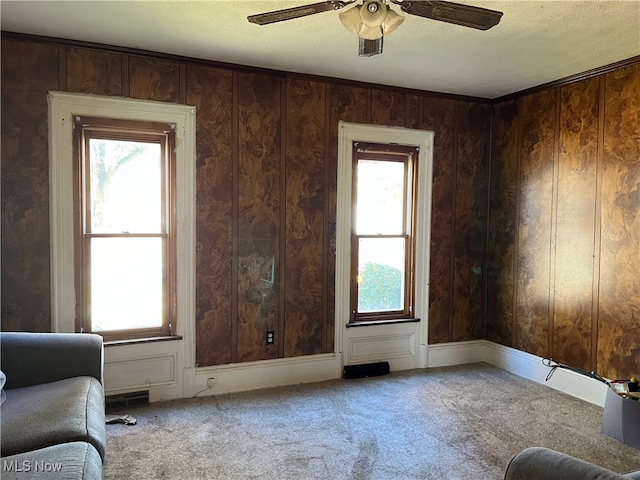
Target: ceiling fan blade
(456, 13)
(296, 12)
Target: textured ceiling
(535, 42)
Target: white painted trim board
(519, 363)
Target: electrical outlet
(211, 382)
(271, 337)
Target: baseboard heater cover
(366, 370)
(127, 399)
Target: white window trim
(348, 134)
(62, 108)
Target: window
(382, 237)
(125, 228)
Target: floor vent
(123, 400)
(366, 370)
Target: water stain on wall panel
(347, 104)
(304, 217)
(29, 72)
(534, 231)
(95, 72)
(259, 215)
(439, 116)
(470, 221)
(211, 91)
(502, 226)
(575, 220)
(619, 308)
(154, 79)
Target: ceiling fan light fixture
(373, 13)
(392, 22)
(371, 20)
(351, 19)
(370, 33)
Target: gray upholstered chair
(537, 463)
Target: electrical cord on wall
(553, 365)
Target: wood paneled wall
(267, 148)
(563, 223)
(564, 228)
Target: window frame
(86, 128)
(408, 155)
(404, 343)
(180, 351)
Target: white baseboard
(455, 353)
(530, 366)
(159, 372)
(519, 363)
(240, 377)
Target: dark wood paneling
(210, 90)
(578, 230)
(153, 79)
(470, 221)
(575, 220)
(502, 224)
(439, 115)
(619, 313)
(388, 108)
(310, 193)
(304, 217)
(534, 230)
(92, 71)
(413, 117)
(259, 272)
(348, 104)
(525, 215)
(29, 72)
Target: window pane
(380, 197)
(126, 186)
(381, 274)
(126, 283)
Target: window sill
(382, 322)
(135, 341)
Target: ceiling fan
(374, 19)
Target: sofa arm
(35, 358)
(536, 463)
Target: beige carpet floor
(445, 423)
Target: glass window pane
(126, 186)
(126, 283)
(379, 197)
(381, 264)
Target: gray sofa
(52, 414)
(537, 463)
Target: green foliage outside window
(380, 288)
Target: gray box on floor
(621, 419)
